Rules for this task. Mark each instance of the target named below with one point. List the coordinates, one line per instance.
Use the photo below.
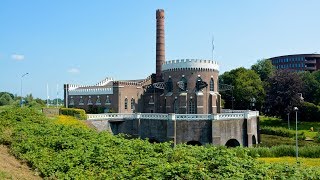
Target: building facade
(297, 62)
(186, 86)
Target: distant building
(297, 62)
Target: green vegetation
(60, 151)
(247, 85)
(281, 131)
(285, 150)
(272, 140)
(78, 113)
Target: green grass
(309, 162)
(302, 126)
(272, 140)
(4, 175)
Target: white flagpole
(57, 93)
(212, 47)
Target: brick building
(186, 86)
(297, 62)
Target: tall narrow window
(89, 101)
(98, 102)
(132, 103)
(108, 102)
(211, 84)
(71, 101)
(81, 101)
(192, 107)
(126, 103)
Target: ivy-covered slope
(74, 152)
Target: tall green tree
(246, 86)
(283, 93)
(311, 87)
(264, 69)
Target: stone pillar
(200, 103)
(160, 46)
(136, 126)
(171, 128)
(216, 132)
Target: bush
(78, 113)
(280, 131)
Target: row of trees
(7, 99)
(274, 92)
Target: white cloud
(73, 70)
(17, 57)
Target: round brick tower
(160, 46)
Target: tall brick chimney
(160, 46)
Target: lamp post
(288, 120)
(296, 110)
(21, 101)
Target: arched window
(81, 101)
(108, 102)
(175, 106)
(89, 101)
(132, 103)
(211, 84)
(192, 107)
(126, 103)
(71, 101)
(151, 101)
(169, 85)
(98, 102)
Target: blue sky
(82, 42)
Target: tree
(311, 87)
(264, 69)
(5, 98)
(283, 93)
(246, 85)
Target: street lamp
(21, 101)
(296, 110)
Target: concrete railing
(191, 117)
(172, 116)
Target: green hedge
(280, 131)
(285, 150)
(78, 113)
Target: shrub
(78, 113)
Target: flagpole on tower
(212, 44)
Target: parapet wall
(192, 64)
(220, 129)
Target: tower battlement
(200, 64)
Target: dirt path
(11, 168)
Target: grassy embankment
(59, 149)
